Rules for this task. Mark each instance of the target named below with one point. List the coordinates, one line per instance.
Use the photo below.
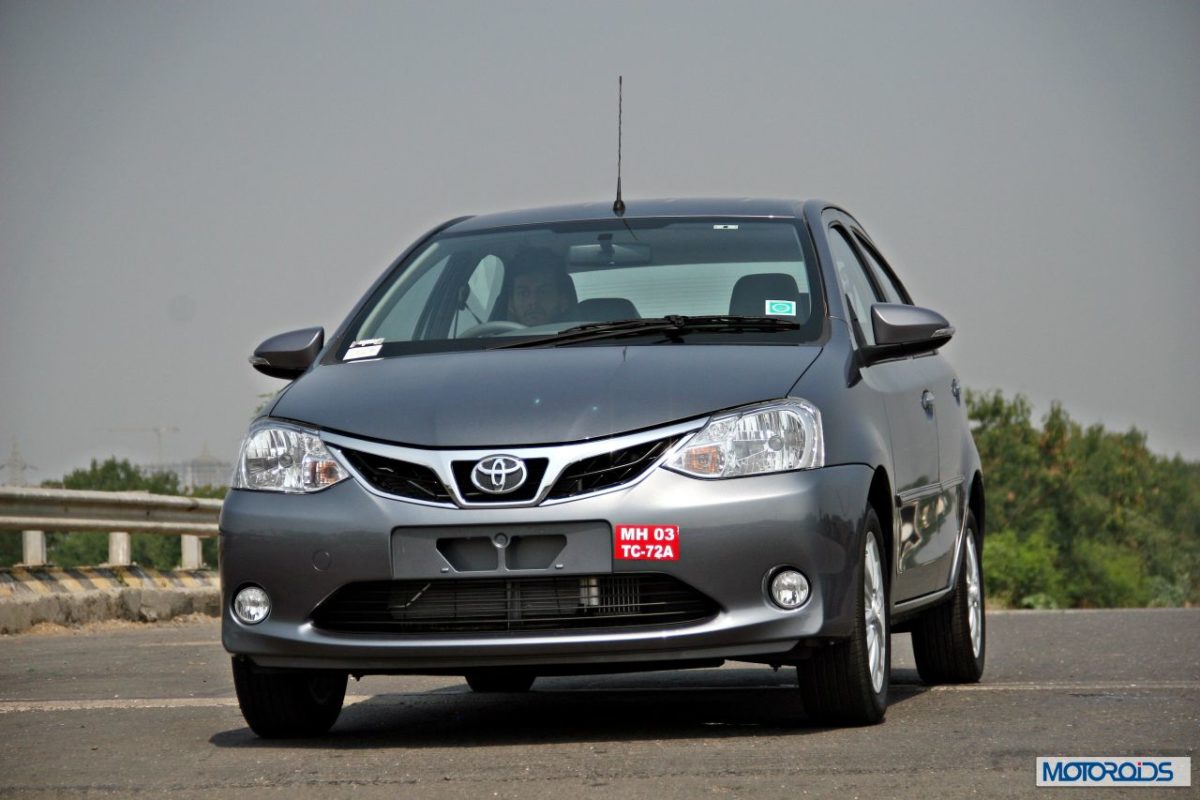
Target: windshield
(478, 290)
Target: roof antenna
(619, 205)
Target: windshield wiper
(673, 325)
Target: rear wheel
(288, 704)
(848, 682)
(500, 680)
(950, 640)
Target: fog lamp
(251, 605)
(789, 589)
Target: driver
(541, 291)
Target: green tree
(1083, 517)
(10, 548)
(1022, 570)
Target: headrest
(751, 293)
(532, 260)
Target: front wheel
(289, 704)
(950, 640)
(848, 682)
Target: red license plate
(646, 543)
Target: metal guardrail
(34, 511)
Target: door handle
(927, 400)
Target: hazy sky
(180, 180)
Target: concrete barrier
(31, 596)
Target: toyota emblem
(499, 474)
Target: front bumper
(733, 533)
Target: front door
(906, 387)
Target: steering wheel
(493, 328)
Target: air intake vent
(524, 604)
(607, 470)
(400, 478)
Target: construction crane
(159, 432)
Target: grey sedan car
(574, 440)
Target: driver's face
(537, 299)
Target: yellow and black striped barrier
(32, 595)
(30, 581)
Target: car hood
(537, 396)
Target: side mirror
(289, 354)
(902, 330)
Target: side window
(397, 315)
(478, 296)
(855, 285)
(883, 277)
(450, 297)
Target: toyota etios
(572, 440)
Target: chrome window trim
(560, 457)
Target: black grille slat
(401, 478)
(512, 605)
(606, 470)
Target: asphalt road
(149, 711)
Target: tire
(500, 680)
(847, 682)
(950, 640)
(284, 705)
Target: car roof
(636, 209)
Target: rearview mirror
(608, 254)
(289, 354)
(902, 330)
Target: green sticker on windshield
(781, 308)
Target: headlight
(284, 458)
(767, 438)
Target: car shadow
(687, 704)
